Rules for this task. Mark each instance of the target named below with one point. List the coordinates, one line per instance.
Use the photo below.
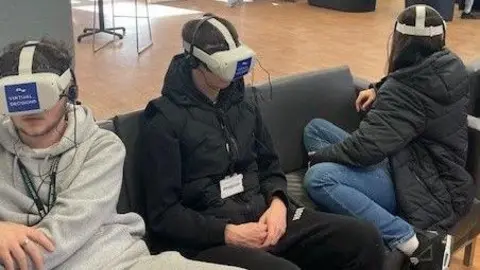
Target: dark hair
(208, 38)
(49, 56)
(409, 50)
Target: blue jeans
(365, 193)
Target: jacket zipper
(233, 141)
(231, 152)
(231, 146)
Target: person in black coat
(213, 183)
(404, 167)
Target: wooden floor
(456, 263)
(288, 38)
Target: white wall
(34, 19)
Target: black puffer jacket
(419, 121)
(189, 145)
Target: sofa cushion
(297, 99)
(295, 188)
(473, 155)
(445, 8)
(474, 76)
(467, 227)
(106, 124)
(123, 205)
(346, 5)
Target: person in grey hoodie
(60, 177)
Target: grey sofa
(346, 5)
(444, 7)
(297, 99)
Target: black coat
(189, 144)
(419, 121)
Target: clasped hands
(262, 234)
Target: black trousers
(315, 241)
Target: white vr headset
(419, 29)
(230, 65)
(30, 93)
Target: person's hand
(276, 220)
(365, 99)
(251, 235)
(17, 241)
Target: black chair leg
(91, 31)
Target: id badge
(231, 185)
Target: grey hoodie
(84, 224)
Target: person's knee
(370, 236)
(268, 262)
(252, 259)
(372, 252)
(320, 175)
(358, 233)
(367, 240)
(314, 125)
(365, 245)
(282, 264)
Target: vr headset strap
(26, 58)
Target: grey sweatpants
(174, 261)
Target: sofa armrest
(473, 122)
(473, 159)
(360, 84)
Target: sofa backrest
(131, 196)
(473, 161)
(297, 99)
(473, 158)
(474, 77)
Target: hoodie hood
(179, 87)
(441, 76)
(85, 127)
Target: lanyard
(32, 191)
(230, 144)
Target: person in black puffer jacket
(404, 167)
(213, 183)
